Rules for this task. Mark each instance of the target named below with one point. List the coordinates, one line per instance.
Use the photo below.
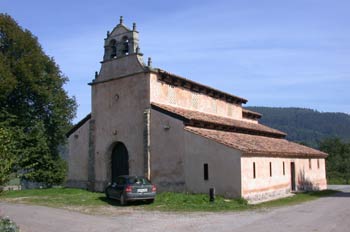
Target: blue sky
(271, 52)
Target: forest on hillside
(305, 125)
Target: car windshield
(138, 180)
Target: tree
(7, 155)
(36, 162)
(8, 147)
(338, 161)
(31, 91)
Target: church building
(182, 135)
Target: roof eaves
(251, 114)
(168, 112)
(195, 86)
(78, 125)
(286, 154)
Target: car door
(112, 191)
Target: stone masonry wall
(268, 185)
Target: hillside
(306, 125)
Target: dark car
(131, 188)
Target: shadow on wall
(305, 184)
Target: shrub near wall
(6, 225)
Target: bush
(6, 225)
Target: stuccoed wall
(167, 152)
(166, 94)
(121, 66)
(250, 120)
(178, 157)
(265, 187)
(118, 108)
(311, 179)
(78, 157)
(223, 164)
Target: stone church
(182, 135)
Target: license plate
(142, 190)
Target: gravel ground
(325, 214)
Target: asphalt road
(325, 214)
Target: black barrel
(212, 194)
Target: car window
(121, 181)
(138, 181)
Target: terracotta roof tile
(249, 113)
(238, 125)
(253, 145)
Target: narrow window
(270, 169)
(318, 163)
(284, 170)
(113, 48)
(125, 46)
(310, 167)
(206, 172)
(254, 170)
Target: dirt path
(325, 214)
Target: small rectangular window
(318, 163)
(254, 170)
(270, 169)
(206, 172)
(284, 170)
(310, 167)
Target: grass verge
(81, 200)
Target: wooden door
(120, 161)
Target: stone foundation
(258, 197)
(82, 184)
(100, 186)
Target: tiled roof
(253, 145)
(251, 114)
(200, 119)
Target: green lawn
(77, 198)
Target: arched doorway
(120, 161)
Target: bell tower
(119, 99)
(122, 41)
(121, 53)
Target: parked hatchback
(131, 188)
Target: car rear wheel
(122, 200)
